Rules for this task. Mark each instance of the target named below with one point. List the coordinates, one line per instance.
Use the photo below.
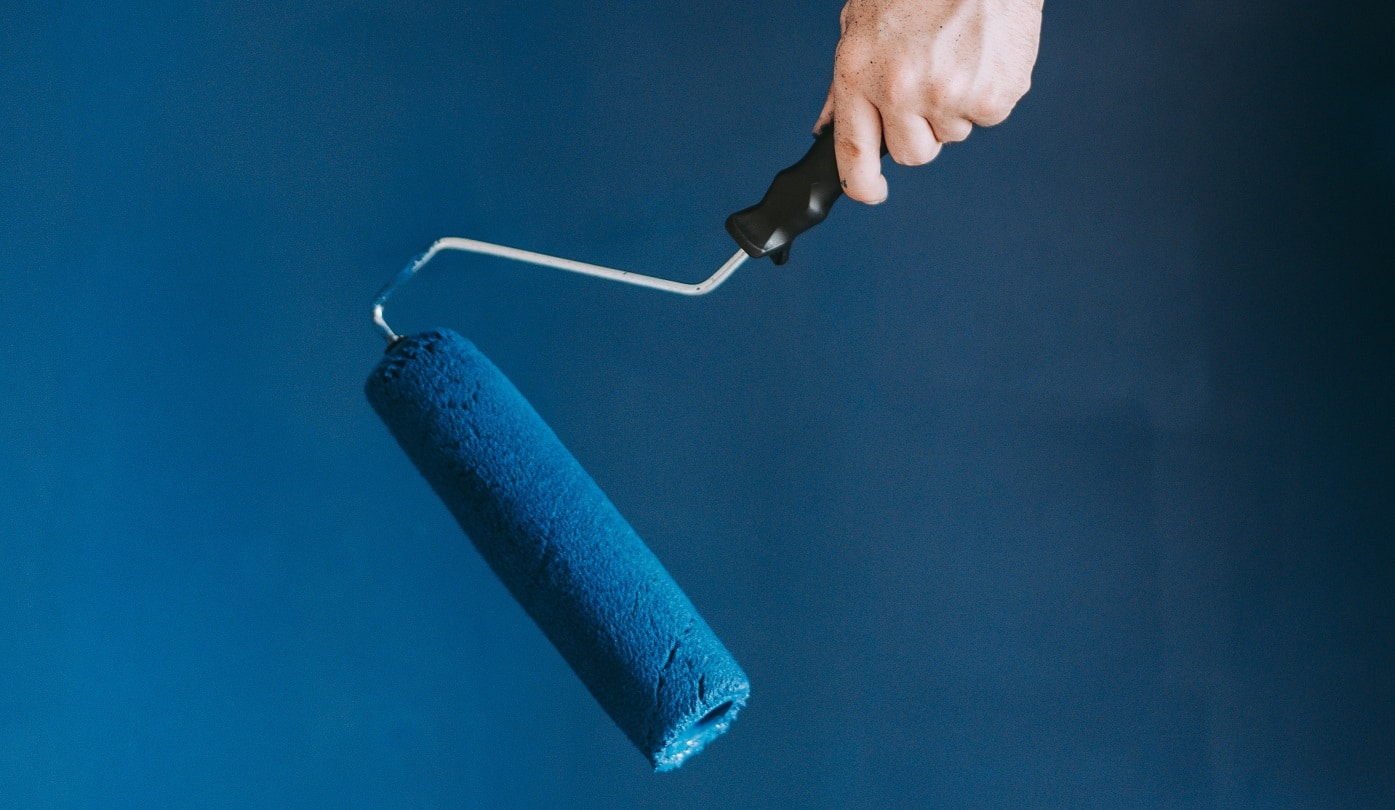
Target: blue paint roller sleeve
(559, 545)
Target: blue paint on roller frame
(560, 546)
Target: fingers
(857, 129)
(993, 109)
(923, 73)
(910, 139)
(950, 128)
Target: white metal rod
(474, 246)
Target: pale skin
(919, 74)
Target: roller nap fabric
(544, 526)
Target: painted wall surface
(1063, 478)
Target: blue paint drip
(560, 546)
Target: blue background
(1062, 478)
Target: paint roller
(543, 525)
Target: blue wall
(1062, 478)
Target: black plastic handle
(798, 199)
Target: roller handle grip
(798, 199)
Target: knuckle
(914, 155)
(937, 95)
(907, 156)
(903, 87)
(995, 105)
(947, 96)
(955, 131)
(992, 109)
(911, 145)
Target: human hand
(922, 73)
